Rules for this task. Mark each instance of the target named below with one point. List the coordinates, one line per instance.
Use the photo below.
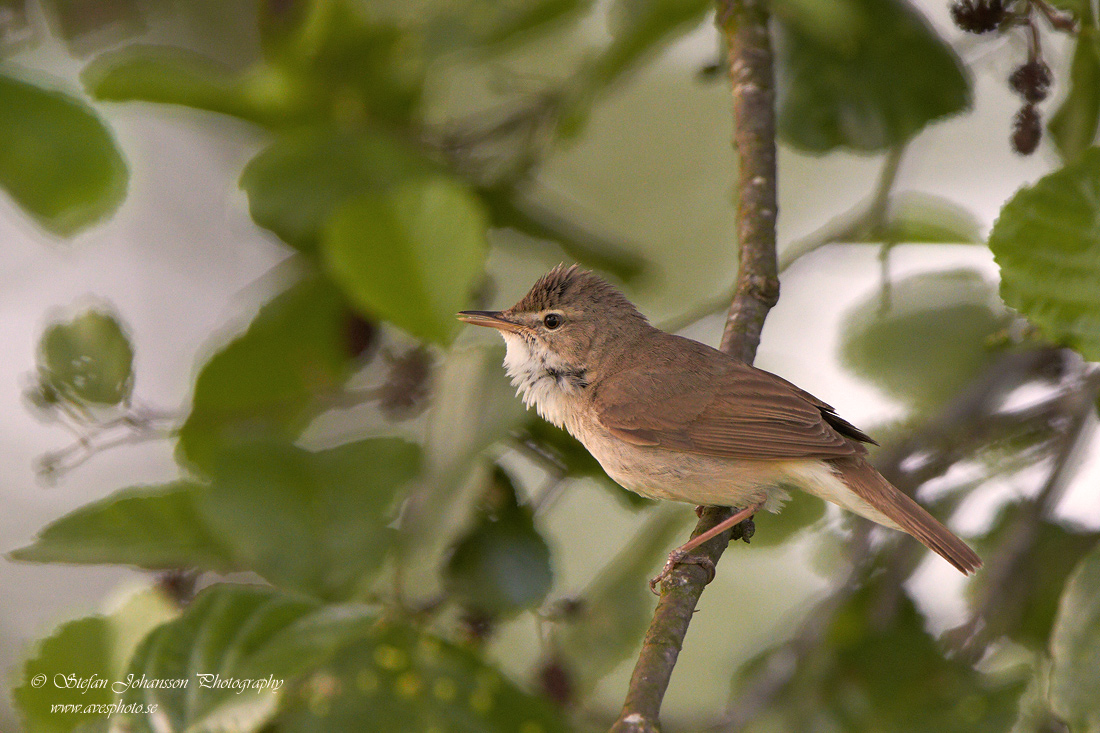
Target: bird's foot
(743, 531)
(677, 556)
(742, 527)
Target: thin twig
(52, 466)
(745, 25)
(1059, 21)
(869, 223)
(1000, 595)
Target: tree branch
(745, 26)
(1000, 597)
(972, 419)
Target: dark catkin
(1032, 81)
(1027, 130)
(361, 336)
(978, 16)
(557, 683)
(405, 392)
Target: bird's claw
(743, 531)
(676, 557)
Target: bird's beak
(492, 319)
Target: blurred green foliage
(869, 88)
(427, 236)
(943, 321)
(238, 633)
(58, 161)
(301, 342)
(886, 672)
(1054, 285)
(295, 184)
(1075, 647)
(396, 677)
(155, 527)
(93, 648)
(87, 361)
(379, 553)
(1036, 584)
(502, 564)
(929, 219)
(602, 626)
(1073, 126)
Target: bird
(672, 418)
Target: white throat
(542, 379)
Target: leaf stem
(868, 224)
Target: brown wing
(715, 405)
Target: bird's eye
(551, 321)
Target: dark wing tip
(845, 428)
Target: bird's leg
(680, 554)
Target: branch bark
(745, 26)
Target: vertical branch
(745, 25)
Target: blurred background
(235, 234)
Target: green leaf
(614, 610)
(332, 509)
(1038, 580)
(156, 527)
(401, 679)
(87, 361)
(1073, 126)
(834, 22)
(295, 183)
(1075, 648)
(58, 161)
(272, 380)
(362, 63)
(880, 670)
(892, 76)
(1048, 247)
(1035, 713)
(929, 220)
(251, 641)
(367, 68)
(930, 342)
(265, 95)
(411, 256)
(501, 566)
(1081, 8)
(93, 649)
(477, 27)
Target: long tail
(873, 488)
